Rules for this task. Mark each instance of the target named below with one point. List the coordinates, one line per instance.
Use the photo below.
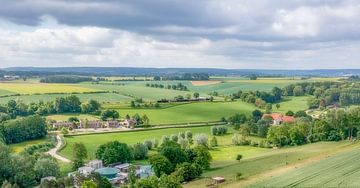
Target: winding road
(53, 152)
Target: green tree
(113, 152)
(203, 157)
(46, 166)
(196, 95)
(79, 155)
(140, 151)
(160, 164)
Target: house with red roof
(278, 118)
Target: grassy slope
(193, 112)
(137, 90)
(341, 170)
(5, 92)
(93, 141)
(276, 158)
(19, 147)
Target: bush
(148, 144)
(239, 140)
(188, 135)
(41, 147)
(213, 142)
(183, 142)
(165, 139)
(218, 130)
(201, 139)
(140, 151)
(155, 143)
(238, 157)
(254, 143)
(181, 135)
(174, 138)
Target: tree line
(66, 79)
(178, 86)
(185, 76)
(69, 104)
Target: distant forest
(65, 79)
(164, 72)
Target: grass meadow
(92, 141)
(19, 147)
(254, 167)
(342, 170)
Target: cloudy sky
(246, 34)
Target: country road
(53, 152)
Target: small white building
(85, 170)
(95, 164)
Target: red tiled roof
(288, 119)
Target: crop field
(101, 97)
(32, 88)
(93, 141)
(342, 170)
(253, 167)
(137, 90)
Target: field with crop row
(342, 170)
(32, 88)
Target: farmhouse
(94, 124)
(129, 123)
(112, 124)
(278, 118)
(59, 125)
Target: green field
(207, 111)
(32, 88)
(94, 140)
(19, 147)
(101, 97)
(342, 170)
(252, 167)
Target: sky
(232, 34)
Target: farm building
(59, 125)
(94, 124)
(95, 164)
(278, 118)
(129, 123)
(112, 124)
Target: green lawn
(93, 141)
(19, 147)
(342, 170)
(267, 161)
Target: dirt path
(268, 174)
(53, 152)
